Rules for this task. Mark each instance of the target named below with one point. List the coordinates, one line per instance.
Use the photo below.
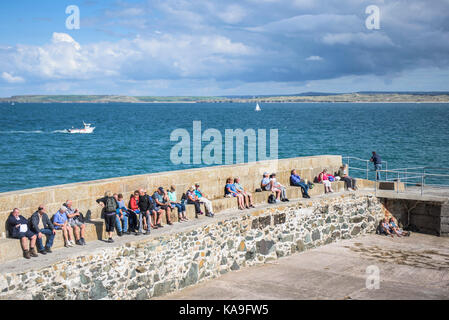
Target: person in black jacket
(40, 223)
(18, 229)
(110, 206)
(146, 207)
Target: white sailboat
(257, 107)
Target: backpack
(111, 205)
(271, 198)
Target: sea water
(36, 149)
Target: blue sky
(206, 47)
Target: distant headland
(309, 97)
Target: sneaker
(110, 240)
(119, 233)
(127, 232)
(159, 225)
(83, 242)
(79, 242)
(33, 253)
(169, 223)
(138, 233)
(48, 250)
(286, 200)
(68, 244)
(42, 252)
(277, 201)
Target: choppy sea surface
(129, 139)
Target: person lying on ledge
(295, 180)
(207, 203)
(18, 229)
(231, 191)
(247, 196)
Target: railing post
(367, 176)
(405, 183)
(397, 183)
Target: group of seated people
(67, 219)
(389, 227)
(342, 174)
(235, 189)
(144, 212)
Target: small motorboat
(257, 107)
(87, 129)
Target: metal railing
(427, 179)
(367, 170)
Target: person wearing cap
(18, 229)
(41, 225)
(202, 199)
(192, 198)
(61, 222)
(76, 221)
(163, 203)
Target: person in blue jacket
(295, 180)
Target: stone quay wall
(159, 265)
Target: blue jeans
(148, 219)
(378, 167)
(304, 187)
(118, 222)
(49, 243)
(180, 206)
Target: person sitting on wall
(134, 211)
(18, 229)
(394, 228)
(192, 198)
(231, 191)
(247, 196)
(202, 199)
(162, 201)
(41, 225)
(323, 177)
(295, 180)
(76, 221)
(278, 186)
(146, 207)
(109, 204)
(267, 185)
(180, 206)
(61, 222)
(349, 182)
(121, 215)
(385, 228)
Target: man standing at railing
(377, 164)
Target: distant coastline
(383, 97)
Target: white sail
(258, 107)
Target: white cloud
(232, 14)
(12, 79)
(314, 58)
(360, 38)
(65, 38)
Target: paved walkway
(415, 267)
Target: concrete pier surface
(415, 267)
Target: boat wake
(32, 132)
